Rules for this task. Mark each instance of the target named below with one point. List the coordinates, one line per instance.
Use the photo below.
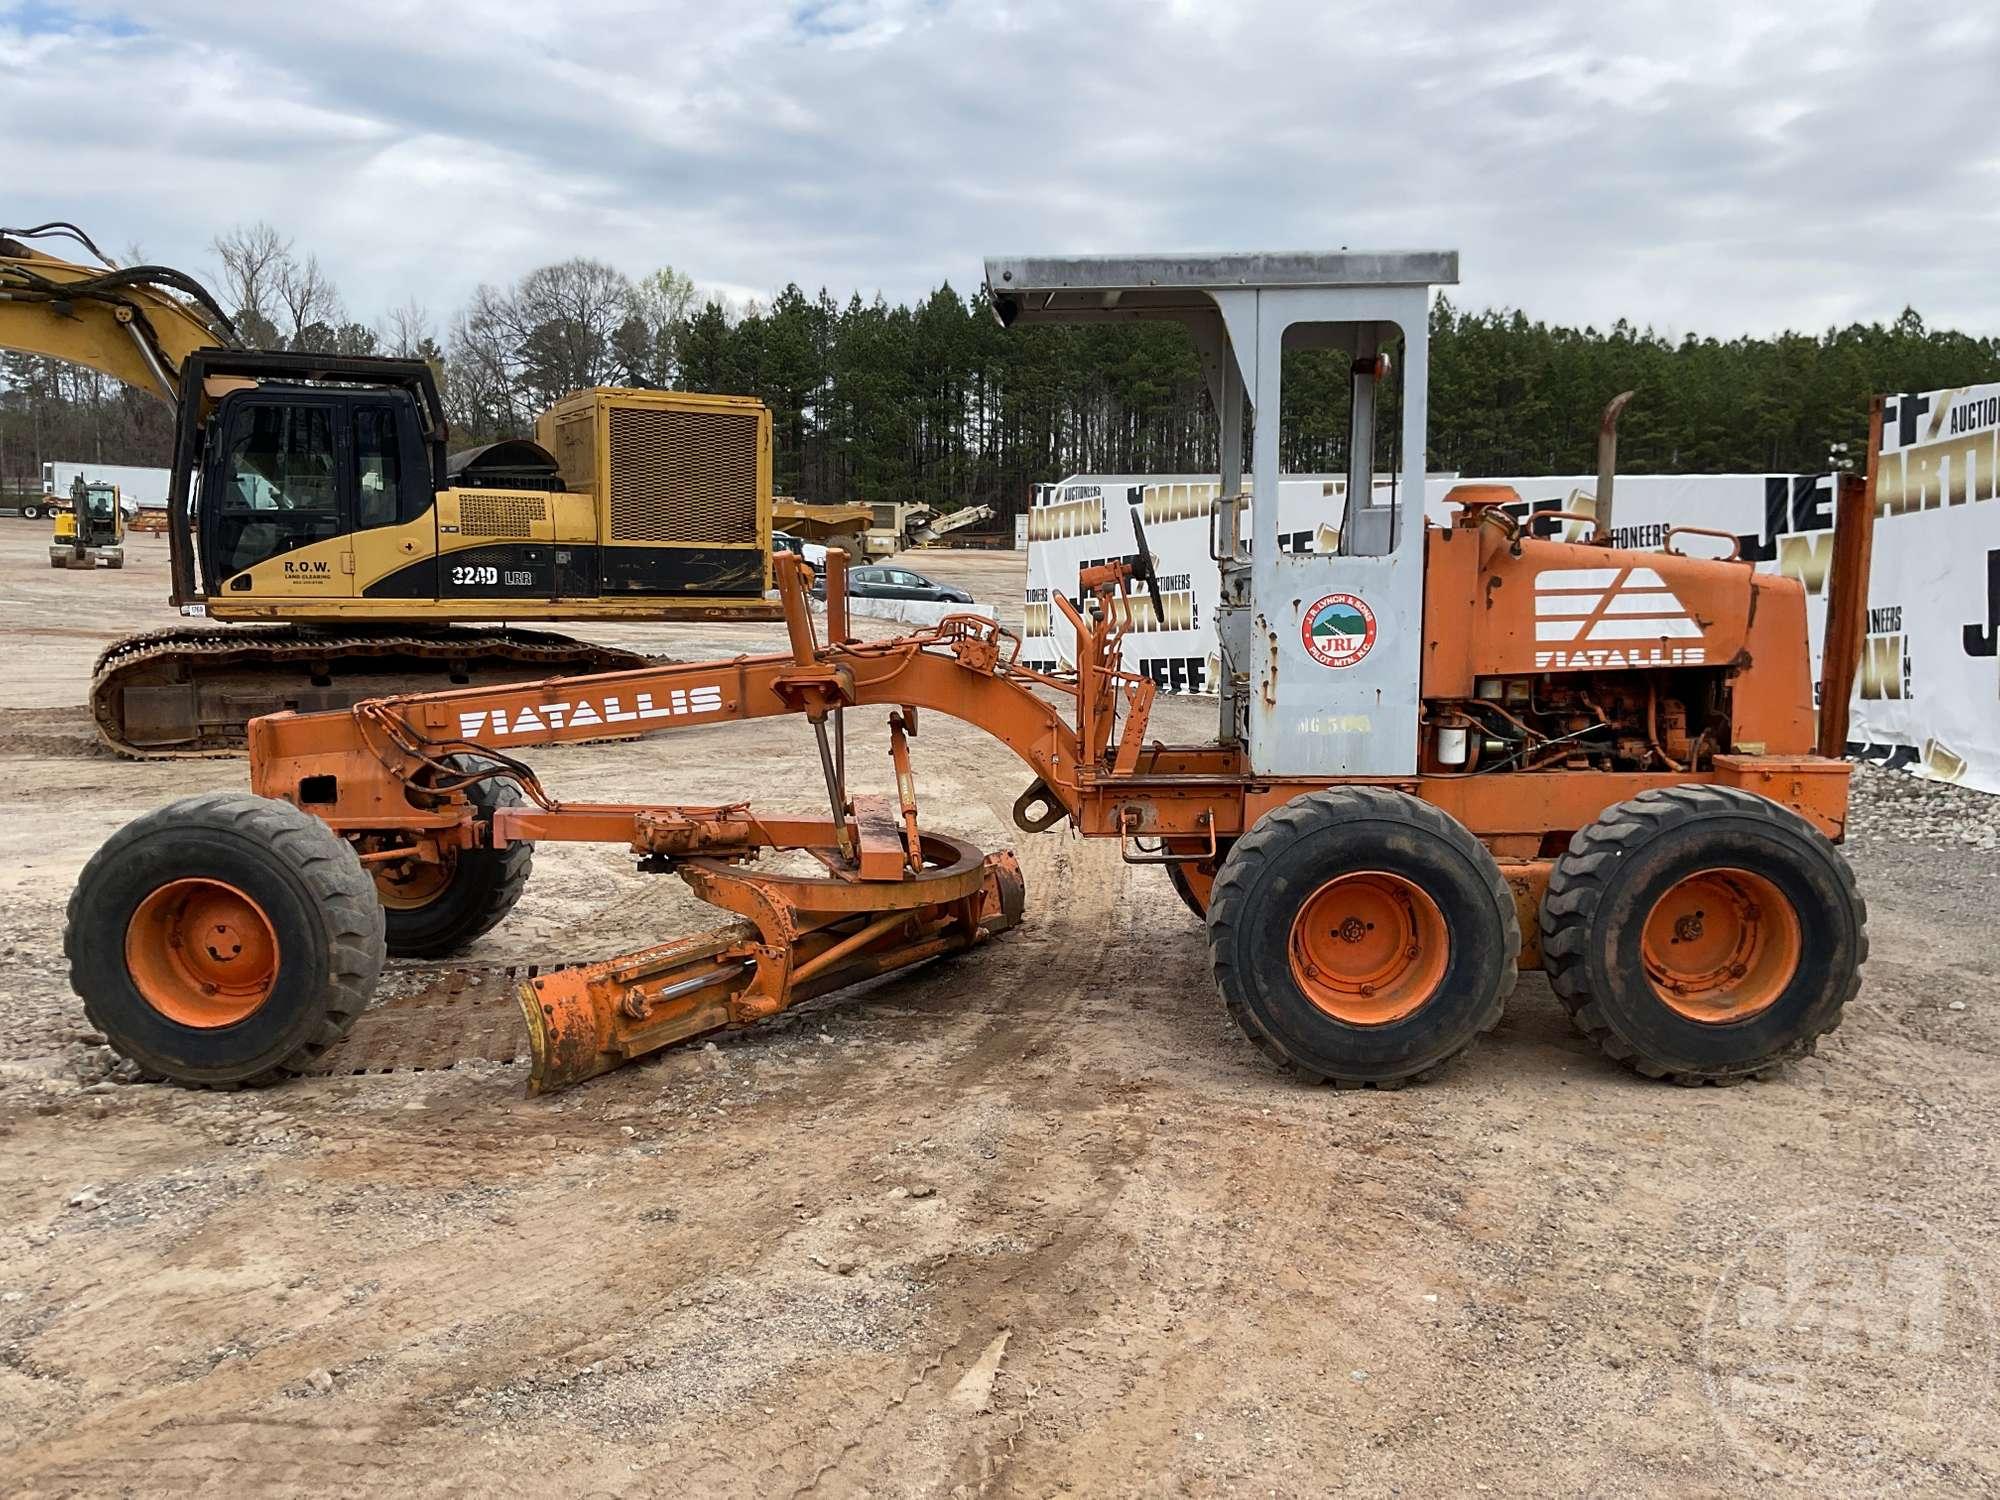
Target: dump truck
(327, 546)
(1443, 754)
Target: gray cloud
(1699, 166)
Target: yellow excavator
(92, 530)
(325, 545)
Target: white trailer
(139, 488)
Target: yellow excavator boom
(133, 323)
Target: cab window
(378, 499)
(278, 488)
(281, 459)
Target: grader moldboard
(1444, 753)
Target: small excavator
(325, 546)
(1443, 754)
(91, 530)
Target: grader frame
(386, 776)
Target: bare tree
(252, 257)
(308, 297)
(517, 350)
(481, 371)
(406, 331)
(647, 353)
(568, 315)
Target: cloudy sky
(1720, 167)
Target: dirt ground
(1034, 1221)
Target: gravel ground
(1890, 807)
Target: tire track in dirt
(1068, 1160)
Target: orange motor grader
(1443, 754)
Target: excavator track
(191, 691)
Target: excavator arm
(137, 324)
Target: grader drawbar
(1443, 753)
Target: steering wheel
(1144, 566)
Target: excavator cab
(291, 469)
(320, 489)
(287, 467)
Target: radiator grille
(501, 515)
(683, 476)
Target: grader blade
(803, 936)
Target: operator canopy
(1059, 288)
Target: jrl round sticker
(1338, 630)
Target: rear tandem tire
(480, 888)
(1703, 934)
(1362, 936)
(1193, 891)
(254, 930)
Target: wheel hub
(413, 883)
(202, 953)
(1369, 947)
(1721, 945)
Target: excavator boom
(137, 324)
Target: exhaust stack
(1607, 465)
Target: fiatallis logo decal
(540, 718)
(1338, 630)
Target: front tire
(224, 939)
(1703, 934)
(1362, 936)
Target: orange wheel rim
(1721, 945)
(407, 885)
(1369, 948)
(202, 953)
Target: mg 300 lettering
(540, 718)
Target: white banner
(1927, 696)
(1934, 590)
